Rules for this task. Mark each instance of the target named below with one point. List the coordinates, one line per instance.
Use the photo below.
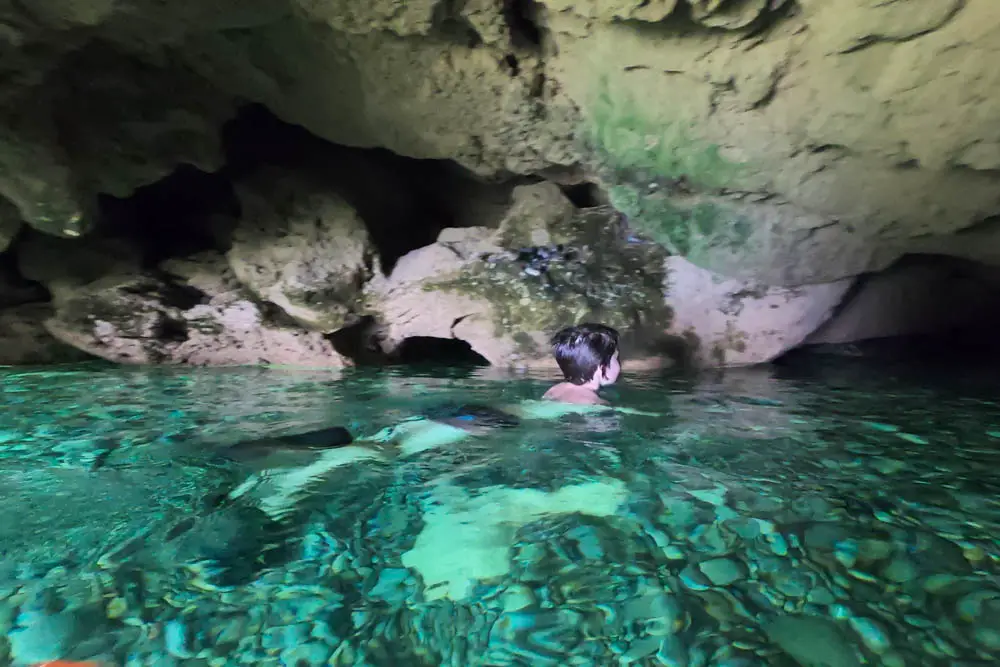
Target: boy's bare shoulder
(566, 392)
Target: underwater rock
(303, 248)
(466, 539)
(812, 641)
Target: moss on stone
(662, 177)
(603, 278)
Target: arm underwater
(277, 490)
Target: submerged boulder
(302, 248)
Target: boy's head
(587, 353)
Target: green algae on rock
(664, 178)
(598, 275)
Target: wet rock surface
(733, 322)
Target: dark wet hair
(583, 349)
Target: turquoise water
(837, 516)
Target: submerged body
(587, 355)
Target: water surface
(842, 515)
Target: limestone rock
(771, 142)
(505, 291)
(655, 10)
(188, 312)
(407, 308)
(815, 149)
(35, 174)
(729, 15)
(302, 248)
(913, 298)
(731, 322)
(462, 102)
(118, 136)
(95, 127)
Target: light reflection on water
(841, 517)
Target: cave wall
(779, 145)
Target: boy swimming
(588, 357)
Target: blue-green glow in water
(837, 518)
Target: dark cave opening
(362, 343)
(15, 289)
(522, 23)
(585, 194)
(427, 350)
(923, 312)
(404, 202)
(187, 212)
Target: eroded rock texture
(782, 146)
(189, 311)
(302, 248)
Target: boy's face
(609, 374)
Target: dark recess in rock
(404, 202)
(583, 195)
(969, 342)
(171, 330)
(361, 344)
(15, 289)
(438, 351)
(521, 18)
(187, 212)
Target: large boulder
(303, 248)
(505, 290)
(189, 311)
(728, 322)
(549, 265)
